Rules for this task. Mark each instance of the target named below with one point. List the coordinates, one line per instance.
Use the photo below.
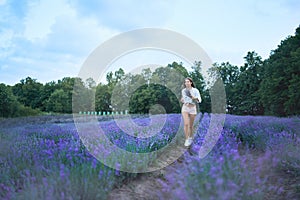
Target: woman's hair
(190, 79)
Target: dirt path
(151, 185)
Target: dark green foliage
(46, 92)
(83, 95)
(241, 85)
(179, 68)
(147, 96)
(102, 98)
(24, 111)
(28, 92)
(57, 102)
(292, 105)
(229, 74)
(8, 102)
(64, 94)
(280, 87)
(10, 107)
(247, 99)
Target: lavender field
(255, 158)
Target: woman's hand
(195, 99)
(182, 101)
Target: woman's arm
(197, 96)
(182, 95)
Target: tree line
(265, 87)
(258, 87)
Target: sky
(51, 39)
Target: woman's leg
(186, 120)
(191, 125)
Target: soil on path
(150, 186)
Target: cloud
(71, 34)
(127, 14)
(41, 16)
(6, 43)
(53, 43)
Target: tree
(247, 97)
(114, 78)
(8, 102)
(169, 78)
(90, 83)
(102, 98)
(229, 75)
(199, 82)
(282, 70)
(146, 97)
(161, 75)
(292, 105)
(46, 92)
(140, 93)
(124, 89)
(66, 85)
(28, 92)
(83, 98)
(119, 74)
(146, 73)
(179, 68)
(57, 102)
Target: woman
(190, 96)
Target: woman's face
(187, 83)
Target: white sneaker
(188, 142)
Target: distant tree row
(148, 91)
(142, 92)
(264, 87)
(259, 87)
(30, 97)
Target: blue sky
(50, 39)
